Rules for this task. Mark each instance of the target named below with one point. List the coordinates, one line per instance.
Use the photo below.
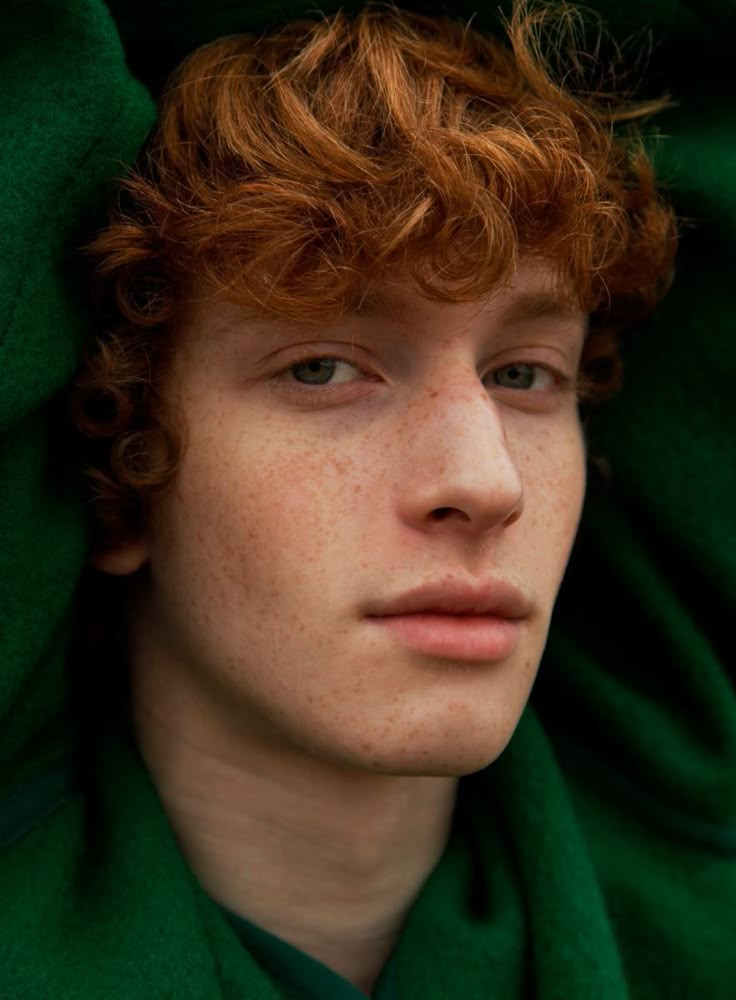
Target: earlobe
(122, 559)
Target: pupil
(519, 375)
(316, 371)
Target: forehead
(532, 294)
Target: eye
(522, 376)
(322, 371)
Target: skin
(308, 761)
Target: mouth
(455, 618)
(472, 637)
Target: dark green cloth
(597, 856)
(300, 976)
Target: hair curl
(291, 171)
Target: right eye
(322, 371)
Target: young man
(340, 603)
(351, 303)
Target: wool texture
(597, 857)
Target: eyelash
(302, 390)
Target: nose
(457, 470)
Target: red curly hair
(291, 172)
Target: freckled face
(330, 470)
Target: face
(416, 448)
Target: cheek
(259, 514)
(554, 471)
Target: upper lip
(457, 597)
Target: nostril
(440, 513)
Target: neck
(327, 858)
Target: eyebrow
(527, 305)
(377, 304)
(533, 305)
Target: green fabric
(597, 856)
(300, 976)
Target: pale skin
(308, 761)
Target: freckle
(434, 393)
(357, 489)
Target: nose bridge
(455, 412)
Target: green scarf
(597, 857)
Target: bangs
(294, 171)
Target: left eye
(322, 371)
(520, 376)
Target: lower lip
(457, 637)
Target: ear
(121, 559)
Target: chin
(450, 761)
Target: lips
(454, 619)
(457, 597)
